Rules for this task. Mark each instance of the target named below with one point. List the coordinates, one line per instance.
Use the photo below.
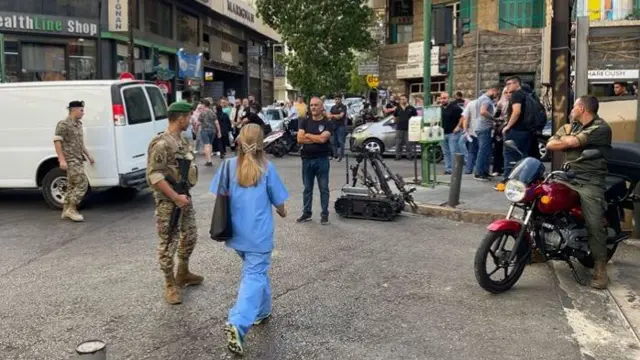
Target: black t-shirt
(391, 104)
(451, 117)
(254, 119)
(403, 116)
(518, 97)
(310, 126)
(337, 109)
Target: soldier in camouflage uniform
(69, 144)
(588, 131)
(164, 150)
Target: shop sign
(190, 65)
(118, 13)
(47, 24)
(413, 68)
(613, 74)
(240, 12)
(226, 53)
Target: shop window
(157, 18)
(82, 60)
(136, 104)
(12, 61)
(43, 62)
(517, 14)
(71, 8)
(187, 28)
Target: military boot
(600, 279)
(65, 207)
(72, 214)
(184, 277)
(172, 291)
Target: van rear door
(159, 106)
(136, 131)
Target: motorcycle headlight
(515, 191)
(360, 129)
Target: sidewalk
(479, 202)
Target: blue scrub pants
(254, 294)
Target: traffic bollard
(92, 350)
(456, 181)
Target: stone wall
(614, 53)
(512, 51)
(390, 56)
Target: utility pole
(560, 69)
(130, 14)
(426, 85)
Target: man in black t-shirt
(452, 124)
(391, 106)
(314, 134)
(515, 128)
(338, 116)
(403, 113)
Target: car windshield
(272, 114)
(527, 171)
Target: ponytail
(251, 159)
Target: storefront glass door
(42, 62)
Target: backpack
(535, 116)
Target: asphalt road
(352, 290)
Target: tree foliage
(357, 83)
(322, 36)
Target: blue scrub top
(251, 208)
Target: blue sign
(189, 65)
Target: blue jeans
(450, 147)
(470, 151)
(312, 169)
(338, 136)
(254, 293)
(483, 162)
(522, 139)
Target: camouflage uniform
(163, 151)
(589, 183)
(69, 133)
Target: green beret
(180, 107)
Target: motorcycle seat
(615, 188)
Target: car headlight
(515, 190)
(360, 129)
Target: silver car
(380, 136)
(275, 115)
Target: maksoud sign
(47, 24)
(118, 13)
(240, 12)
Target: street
(352, 290)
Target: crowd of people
(478, 129)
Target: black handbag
(221, 228)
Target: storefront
(41, 47)
(224, 69)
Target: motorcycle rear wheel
(499, 254)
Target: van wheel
(54, 189)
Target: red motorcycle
(551, 221)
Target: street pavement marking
(599, 328)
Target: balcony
(606, 13)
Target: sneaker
(234, 341)
(324, 220)
(446, 173)
(339, 159)
(481, 177)
(262, 319)
(496, 174)
(304, 218)
(208, 163)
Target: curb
(468, 216)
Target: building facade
(43, 41)
(210, 48)
(505, 39)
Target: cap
(75, 104)
(180, 107)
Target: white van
(121, 117)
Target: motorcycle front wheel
(492, 258)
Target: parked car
(275, 115)
(380, 136)
(542, 141)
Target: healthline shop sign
(47, 24)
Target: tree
(322, 40)
(357, 84)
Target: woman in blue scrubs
(255, 188)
